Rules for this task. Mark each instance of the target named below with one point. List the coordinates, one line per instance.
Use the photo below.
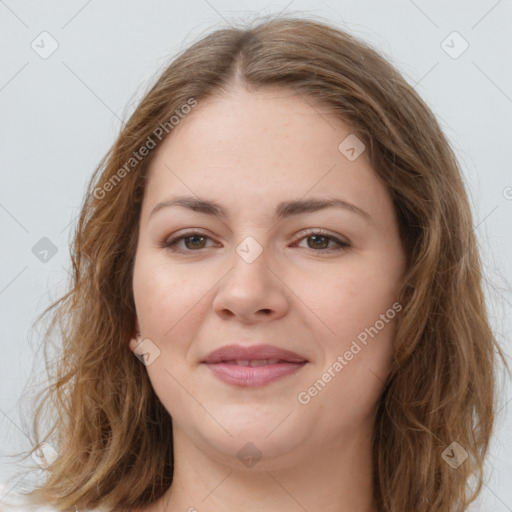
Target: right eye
(193, 241)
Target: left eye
(194, 241)
(321, 241)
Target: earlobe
(134, 342)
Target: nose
(252, 292)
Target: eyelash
(171, 243)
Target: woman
(281, 236)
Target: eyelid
(324, 232)
(182, 234)
(177, 237)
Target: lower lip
(253, 376)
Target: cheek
(363, 315)
(164, 301)
(345, 301)
(357, 350)
(164, 296)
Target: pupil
(195, 237)
(317, 238)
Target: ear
(136, 336)
(133, 344)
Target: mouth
(253, 366)
(254, 362)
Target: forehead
(265, 146)
(243, 124)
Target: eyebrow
(283, 210)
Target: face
(320, 282)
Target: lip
(220, 363)
(233, 352)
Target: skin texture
(249, 151)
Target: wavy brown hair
(113, 435)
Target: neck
(334, 477)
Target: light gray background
(59, 115)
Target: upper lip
(239, 352)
